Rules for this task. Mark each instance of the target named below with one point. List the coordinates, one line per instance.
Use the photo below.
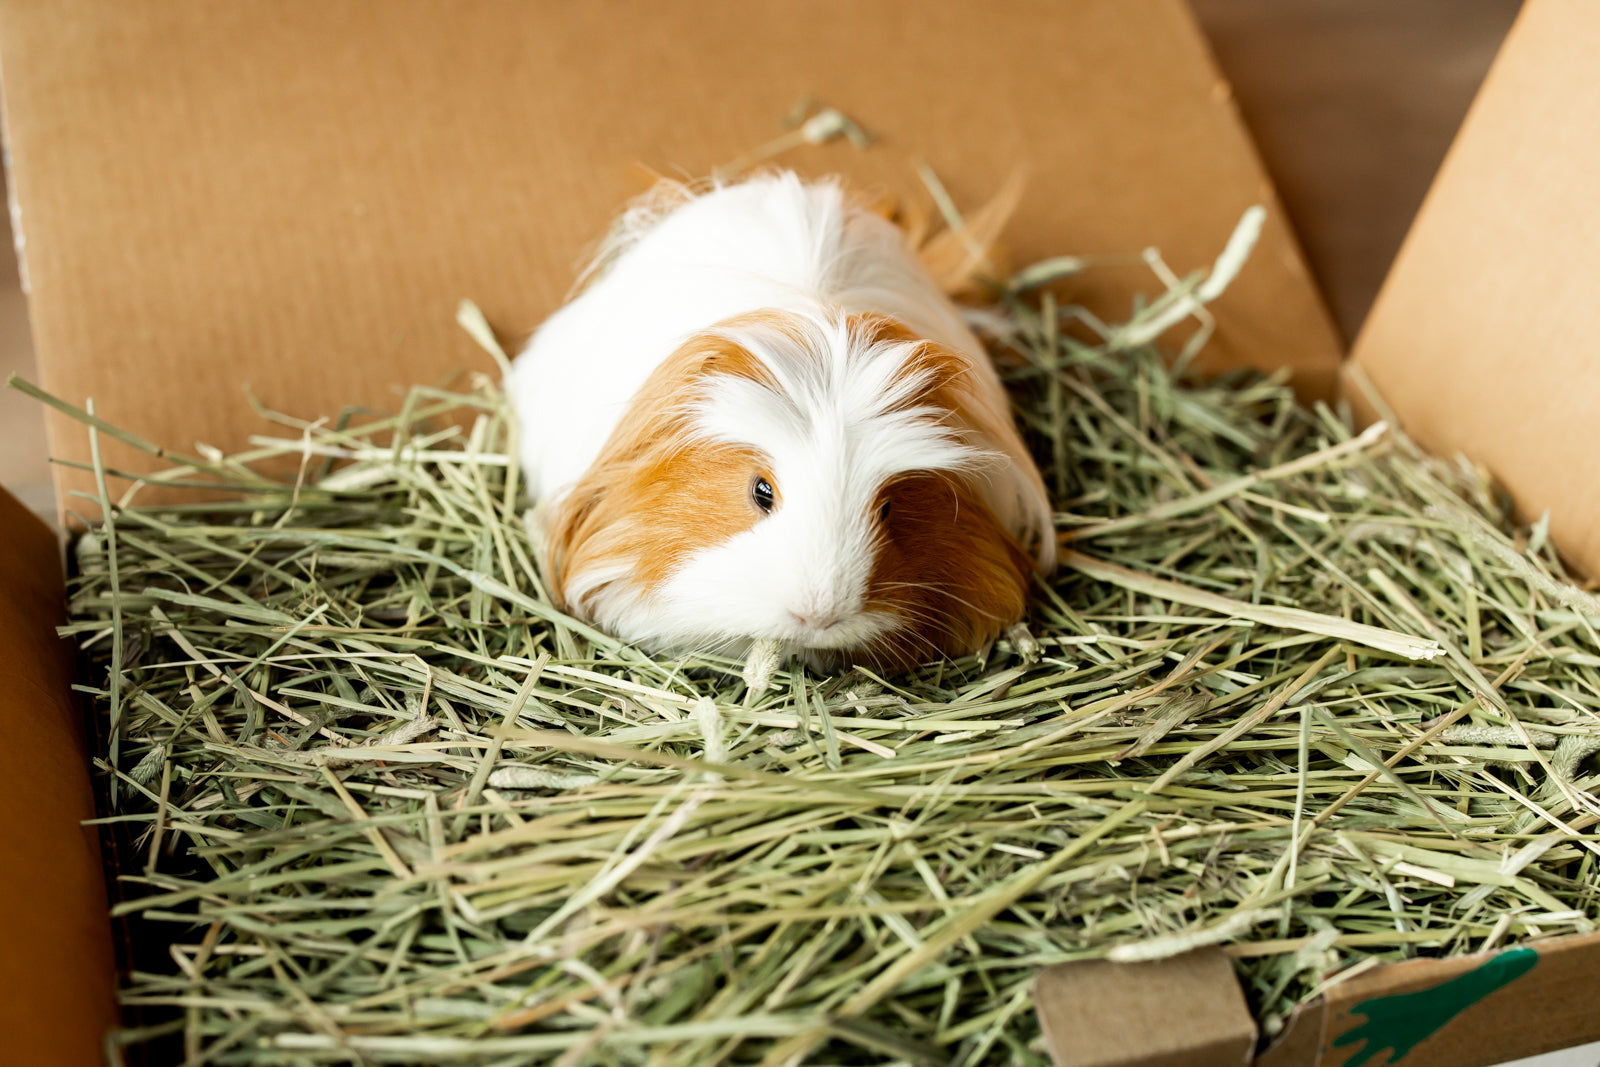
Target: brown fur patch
(654, 496)
(945, 567)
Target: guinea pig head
(820, 479)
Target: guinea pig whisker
(906, 633)
(907, 639)
(911, 610)
(945, 592)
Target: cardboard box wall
(1482, 338)
(295, 199)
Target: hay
(1297, 690)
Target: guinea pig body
(763, 420)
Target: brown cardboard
(1186, 1011)
(1469, 1011)
(1299, 1042)
(1490, 1008)
(56, 968)
(295, 198)
(1483, 337)
(229, 194)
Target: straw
(1297, 690)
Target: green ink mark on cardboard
(1401, 1022)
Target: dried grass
(1296, 689)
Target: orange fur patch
(654, 495)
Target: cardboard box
(295, 199)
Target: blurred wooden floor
(1353, 103)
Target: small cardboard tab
(1187, 1011)
(1483, 339)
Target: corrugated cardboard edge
(57, 972)
(1314, 372)
(1310, 386)
(1482, 338)
(19, 237)
(1187, 1011)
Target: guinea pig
(762, 419)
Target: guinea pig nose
(815, 620)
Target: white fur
(683, 264)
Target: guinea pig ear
(574, 528)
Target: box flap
(1483, 339)
(1470, 1011)
(1187, 1011)
(56, 965)
(296, 198)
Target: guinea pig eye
(883, 512)
(761, 493)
